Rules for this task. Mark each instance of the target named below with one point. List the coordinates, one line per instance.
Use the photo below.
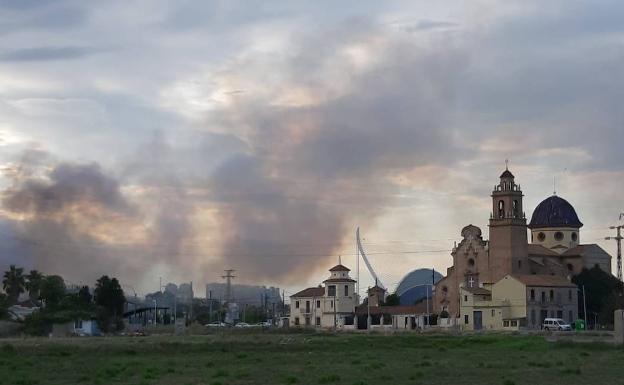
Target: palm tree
(14, 283)
(34, 284)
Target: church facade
(554, 249)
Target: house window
(318, 303)
(318, 321)
(296, 320)
(346, 290)
(543, 297)
(541, 237)
(466, 319)
(559, 236)
(307, 321)
(552, 295)
(570, 316)
(519, 264)
(574, 237)
(532, 294)
(493, 312)
(501, 209)
(465, 298)
(331, 290)
(307, 306)
(559, 313)
(569, 295)
(506, 324)
(78, 324)
(296, 304)
(332, 304)
(533, 317)
(514, 323)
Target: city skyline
(177, 140)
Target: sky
(175, 139)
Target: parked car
(265, 324)
(216, 324)
(556, 324)
(242, 325)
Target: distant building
(331, 305)
(479, 265)
(518, 301)
(416, 286)
(372, 314)
(185, 292)
(250, 295)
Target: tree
(603, 293)
(14, 283)
(33, 284)
(4, 306)
(84, 296)
(110, 300)
(52, 290)
(392, 300)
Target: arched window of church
(501, 209)
(516, 209)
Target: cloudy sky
(178, 138)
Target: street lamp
(584, 305)
(155, 310)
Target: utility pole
(210, 305)
(228, 294)
(357, 267)
(368, 316)
(228, 280)
(618, 238)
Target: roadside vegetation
(308, 358)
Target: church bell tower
(508, 250)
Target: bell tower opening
(508, 229)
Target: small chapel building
(553, 255)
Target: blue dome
(554, 212)
(417, 277)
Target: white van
(556, 324)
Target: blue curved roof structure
(554, 212)
(416, 285)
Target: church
(549, 260)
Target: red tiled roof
(477, 290)
(339, 280)
(310, 292)
(544, 280)
(583, 250)
(339, 268)
(541, 250)
(420, 308)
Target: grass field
(269, 358)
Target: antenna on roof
(507, 164)
(554, 185)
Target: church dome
(554, 212)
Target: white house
(331, 305)
(85, 327)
